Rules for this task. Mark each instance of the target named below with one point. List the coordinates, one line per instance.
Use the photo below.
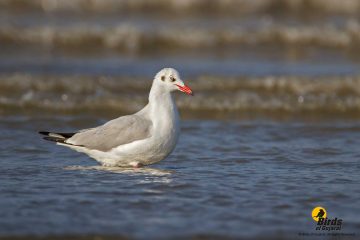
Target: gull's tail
(56, 137)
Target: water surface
(225, 179)
(271, 133)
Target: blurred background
(273, 58)
(272, 131)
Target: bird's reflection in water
(122, 170)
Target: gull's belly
(147, 151)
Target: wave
(203, 7)
(216, 97)
(133, 38)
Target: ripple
(122, 170)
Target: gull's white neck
(163, 111)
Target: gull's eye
(172, 79)
(162, 78)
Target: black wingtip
(60, 140)
(44, 133)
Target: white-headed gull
(143, 138)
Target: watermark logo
(324, 223)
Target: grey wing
(117, 132)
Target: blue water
(194, 66)
(225, 179)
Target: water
(235, 179)
(271, 133)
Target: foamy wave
(214, 95)
(188, 6)
(128, 37)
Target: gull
(144, 138)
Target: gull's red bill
(185, 89)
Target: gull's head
(169, 79)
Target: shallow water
(234, 179)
